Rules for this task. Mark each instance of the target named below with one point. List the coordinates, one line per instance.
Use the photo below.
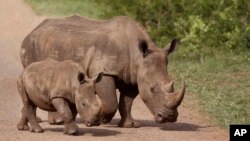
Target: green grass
(219, 79)
(85, 8)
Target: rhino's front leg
(65, 112)
(107, 92)
(127, 95)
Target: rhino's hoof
(56, 121)
(23, 127)
(71, 130)
(133, 124)
(59, 121)
(36, 130)
(39, 120)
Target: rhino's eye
(83, 104)
(152, 89)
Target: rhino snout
(96, 122)
(160, 117)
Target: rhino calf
(58, 86)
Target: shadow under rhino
(93, 131)
(179, 126)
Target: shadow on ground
(178, 126)
(89, 130)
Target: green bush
(200, 24)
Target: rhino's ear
(143, 47)
(171, 46)
(81, 78)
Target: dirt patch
(17, 20)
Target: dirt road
(16, 21)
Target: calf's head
(88, 103)
(155, 87)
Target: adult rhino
(123, 50)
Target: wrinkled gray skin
(58, 86)
(119, 46)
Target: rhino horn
(170, 87)
(178, 97)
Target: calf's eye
(152, 90)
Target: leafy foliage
(200, 24)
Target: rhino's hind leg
(29, 109)
(23, 124)
(127, 95)
(65, 112)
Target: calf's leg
(73, 110)
(28, 111)
(65, 112)
(23, 124)
(54, 118)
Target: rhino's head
(155, 87)
(88, 103)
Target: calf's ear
(171, 46)
(97, 78)
(143, 47)
(81, 77)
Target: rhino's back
(98, 45)
(35, 80)
(76, 24)
(48, 79)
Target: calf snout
(94, 122)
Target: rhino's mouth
(160, 117)
(95, 123)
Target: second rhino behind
(58, 86)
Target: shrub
(222, 24)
